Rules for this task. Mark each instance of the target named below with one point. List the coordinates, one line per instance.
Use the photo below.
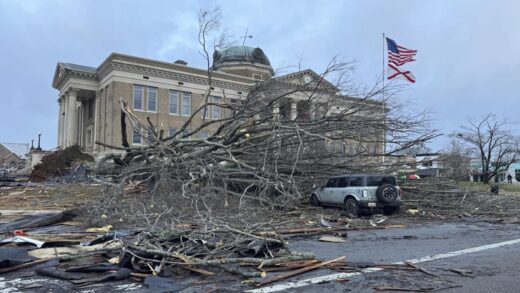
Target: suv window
(380, 180)
(333, 182)
(343, 182)
(356, 181)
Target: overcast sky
(468, 62)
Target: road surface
(488, 253)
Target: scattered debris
(332, 239)
(442, 198)
(103, 229)
(298, 272)
(67, 162)
(463, 272)
(389, 288)
(39, 220)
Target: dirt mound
(58, 163)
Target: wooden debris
(297, 272)
(420, 269)
(332, 239)
(24, 265)
(463, 272)
(388, 288)
(198, 270)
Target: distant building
(168, 93)
(428, 164)
(502, 174)
(13, 155)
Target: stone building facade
(166, 93)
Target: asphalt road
(492, 266)
(488, 253)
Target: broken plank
(388, 288)
(298, 272)
(24, 265)
(420, 269)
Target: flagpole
(383, 66)
(384, 108)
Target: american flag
(398, 56)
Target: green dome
(240, 54)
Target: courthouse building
(166, 92)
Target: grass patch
(479, 186)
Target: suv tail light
(364, 193)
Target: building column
(294, 110)
(276, 111)
(60, 127)
(71, 116)
(64, 124)
(96, 120)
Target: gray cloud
(467, 63)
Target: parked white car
(357, 191)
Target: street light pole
(39, 147)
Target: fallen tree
(265, 150)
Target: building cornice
(62, 74)
(174, 75)
(148, 67)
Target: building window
(172, 131)
(186, 104)
(517, 174)
(257, 76)
(215, 111)
(138, 97)
(90, 109)
(89, 137)
(136, 137)
(152, 99)
(203, 134)
(174, 102)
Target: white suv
(357, 191)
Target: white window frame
(188, 95)
(216, 100)
(136, 86)
(140, 136)
(148, 98)
(177, 104)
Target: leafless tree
(268, 149)
(455, 161)
(493, 143)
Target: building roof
(19, 149)
(78, 67)
(240, 54)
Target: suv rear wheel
(387, 193)
(351, 206)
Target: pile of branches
(261, 150)
(222, 247)
(59, 163)
(443, 196)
